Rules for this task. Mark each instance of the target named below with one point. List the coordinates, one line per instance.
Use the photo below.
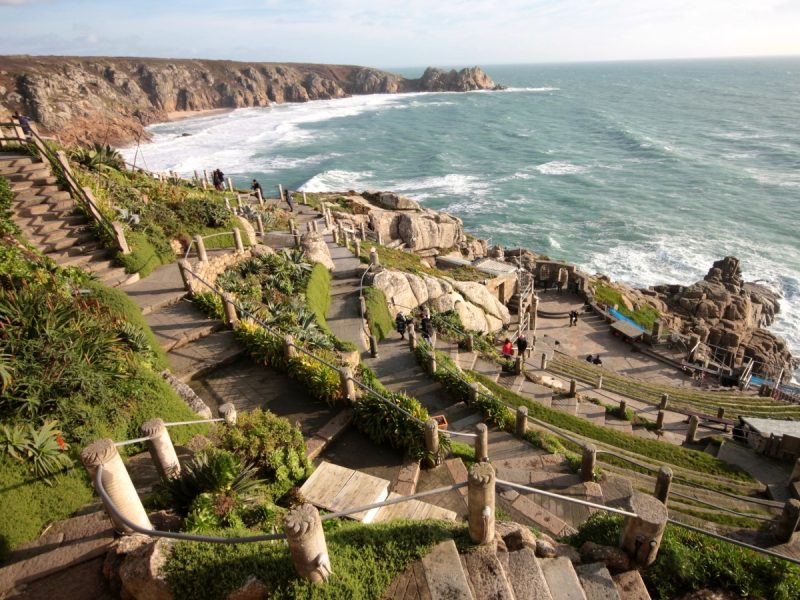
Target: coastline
(183, 115)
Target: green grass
(364, 560)
(318, 294)
(144, 258)
(380, 321)
(689, 561)
(391, 258)
(645, 315)
(463, 451)
(692, 460)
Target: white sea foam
(529, 89)
(336, 181)
(559, 167)
(447, 185)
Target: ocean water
(645, 171)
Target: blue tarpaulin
(618, 315)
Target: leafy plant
(99, 157)
(43, 449)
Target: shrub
(7, 226)
(318, 294)
(144, 257)
(380, 321)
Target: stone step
(204, 355)
(78, 260)
(75, 238)
(34, 179)
(596, 581)
(46, 190)
(562, 579)
(67, 543)
(630, 586)
(179, 324)
(11, 159)
(526, 511)
(457, 411)
(444, 573)
(160, 289)
(42, 225)
(20, 167)
(486, 575)
(467, 423)
(526, 576)
(109, 274)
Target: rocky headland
(112, 100)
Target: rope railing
(390, 502)
(173, 424)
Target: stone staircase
(513, 567)
(50, 220)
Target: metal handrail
(174, 424)
(527, 488)
(351, 511)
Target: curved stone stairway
(50, 220)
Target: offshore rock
(111, 100)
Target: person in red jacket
(508, 349)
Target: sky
(403, 33)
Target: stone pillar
(470, 343)
(518, 361)
(230, 311)
(116, 482)
(788, 521)
(656, 332)
(202, 255)
(357, 250)
(660, 420)
(432, 362)
(306, 540)
(305, 199)
(230, 185)
(186, 274)
(588, 461)
(663, 483)
(260, 224)
(374, 260)
(623, 407)
(335, 235)
(280, 192)
(347, 385)
(228, 204)
(692, 431)
(721, 412)
(373, 346)
(228, 412)
(664, 402)
(480, 502)
(432, 439)
(412, 337)
(641, 535)
(573, 388)
(260, 197)
(289, 350)
(161, 449)
(521, 427)
(534, 311)
(600, 382)
(482, 443)
(544, 361)
(379, 238)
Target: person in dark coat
(597, 360)
(288, 195)
(427, 328)
(522, 345)
(400, 325)
(256, 187)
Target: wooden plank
(359, 490)
(325, 484)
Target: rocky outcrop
(477, 308)
(726, 313)
(313, 244)
(112, 99)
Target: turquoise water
(645, 171)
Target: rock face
(112, 99)
(313, 244)
(729, 314)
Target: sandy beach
(180, 115)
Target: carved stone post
(623, 409)
(116, 482)
(161, 449)
(473, 393)
(260, 224)
(482, 443)
(641, 535)
(432, 362)
(186, 275)
(237, 240)
(260, 197)
(588, 461)
(788, 521)
(230, 185)
(305, 199)
(228, 412)
(518, 365)
(202, 255)
(432, 439)
(306, 540)
(412, 337)
(573, 388)
(663, 483)
(348, 387)
(544, 361)
(600, 382)
(470, 343)
(230, 311)
(289, 351)
(660, 420)
(335, 234)
(521, 427)
(374, 260)
(373, 346)
(664, 402)
(480, 502)
(692, 431)
(357, 249)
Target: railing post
(260, 224)
(374, 260)
(432, 439)
(230, 310)
(412, 337)
(205, 177)
(432, 362)
(518, 365)
(347, 385)
(788, 521)
(480, 502)
(544, 361)
(202, 255)
(357, 249)
(623, 409)
(473, 393)
(470, 343)
(379, 238)
(363, 230)
(228, 412)
(230, 185)
(600, 382)
(373, 346)
(305, 199)
(186, 274)
(641, 535)
(660, 420)
(573, 388)
(119, 237)
(664, 402)
(237, 240)
(260, 197)
(289, 351)
(521, 427)
(228, 204)
(161, 449)
(721, 412)
(335, 235)
(117, 483)
(588, 461)
(482, 443)
(306, 540)
(691, 432)
(663, 483)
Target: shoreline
(183, 115)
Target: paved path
(344, 314)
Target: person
(597, 361)
(288, 195)
(427, 328)
(400, 324)
(590, 358)
(256, 187)
(219, 180)
(575, 318)
(24, 123)
(522, 345)
(508, 349)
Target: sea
(645, 171)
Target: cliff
(112, 99)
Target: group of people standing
(401, 323)
(218, 179)
(508, 348)
(573, 318)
